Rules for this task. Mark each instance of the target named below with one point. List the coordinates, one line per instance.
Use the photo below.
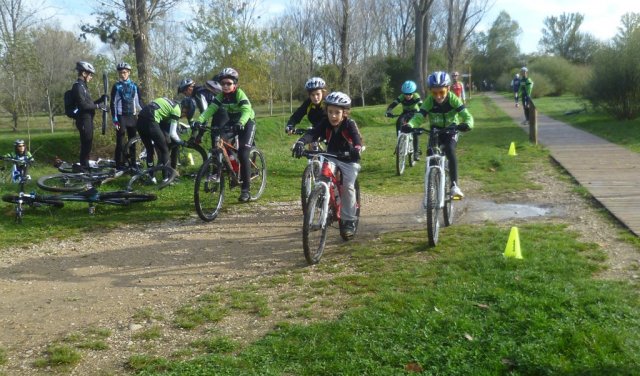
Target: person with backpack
(85, 109)
(125, 107)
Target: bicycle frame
(329, 181)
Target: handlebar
(20, 162)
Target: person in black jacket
(125, 107)
(86, 109)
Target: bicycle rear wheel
(64, 182)
(432, 206)
(401, 154)
(315, 226)
(308, 182)
(258, 173)
(190, 159)
(449, 206)
(156, 177)
(208, 191)
(125, 198)
(131, 154)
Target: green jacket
(526, 85)
(237, 105)
(452, 110)
(168, 111)
(413, 104)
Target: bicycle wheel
(208, 191)
(432, 206)
(345, 238)
(64, 182)
(190, 159)
(156, 177)
(411, 153)
(308, 182)
(258, 173)
(125, 198)
(314, 228)
(449, 207)
(131, 154)
(401, 154)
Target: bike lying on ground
(22, 198)
(437, 185)
(223, 165)
(323, 205)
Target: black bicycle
(23, 199)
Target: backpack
(70, 108)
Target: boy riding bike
(241, 120)
(411, 102)
(444, 108)
(343, 136)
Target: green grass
(59, 356)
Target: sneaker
(244, 196)
(348, 228)
(456, 192)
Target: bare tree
(422, 19)
(463, 16)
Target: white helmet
(315, 83)
(524, 69)
(438, 79)
(83, 66)
(339, 99)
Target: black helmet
(188, 105)
(185, 84)
(83, 66)
(229, 73)
(123, 65)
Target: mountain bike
(22, 198)
(223, 165)
(437, 185)
(323, 206)
(404, 144)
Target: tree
(129, 22)
(630, 23)
(421, 10)
(561, 37)
(497, 50)
(463, 16)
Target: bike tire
(355, 230)
(307, 183)
(190, 159)
(448, 210)
(63, 182)
(125, 198)
(432, 206)
(131, 154)
(164, 175)
(314, 233)
(401, 155)
(258, 172)
(208, 191)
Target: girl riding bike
(444, 108)
(411, 102)
(343, 136)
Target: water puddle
(480, 211)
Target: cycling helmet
(213, 86)
(408, 87)
(18, 142)
(185, 84)
(339, 99)
(188, 105)
(438, 79)
(315, 83)
(517, 75)
(122, 66)
(83, 66)
(524, 69)
(229, 73)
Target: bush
(615, 83)
(562, 76)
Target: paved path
(609, 172)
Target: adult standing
(125, 106)
(526, 85)
(86, 109)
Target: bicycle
(323, 206)
(221, 165)
(22, 198)
(437, 185)
(311, 172)
(404, 144)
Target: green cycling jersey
(237, 104)
(450, 111)
(408, 105)
(167, 110)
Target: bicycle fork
(437, 162)
(326, 197)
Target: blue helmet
(438, 79)
(409, 87)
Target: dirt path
(51, 290)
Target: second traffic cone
(512, 149)
(513, 245)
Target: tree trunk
(344, 46)
(420, 65)
(141, 42)
(51, 119)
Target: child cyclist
(241, 119)
(312, 106)
(411, 102)
(20, 152)
(342, 135)
(444, 108)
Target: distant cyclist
(241, 120)
(458, 88)
(515, 86)
(526, 86)
(411, 103)
(444, 108)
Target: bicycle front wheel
(401, 154)
(258, 173)
(432, 206)
(64, 182)
(314, 228)
(449, 207)
(208, 192)
(156, 177)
